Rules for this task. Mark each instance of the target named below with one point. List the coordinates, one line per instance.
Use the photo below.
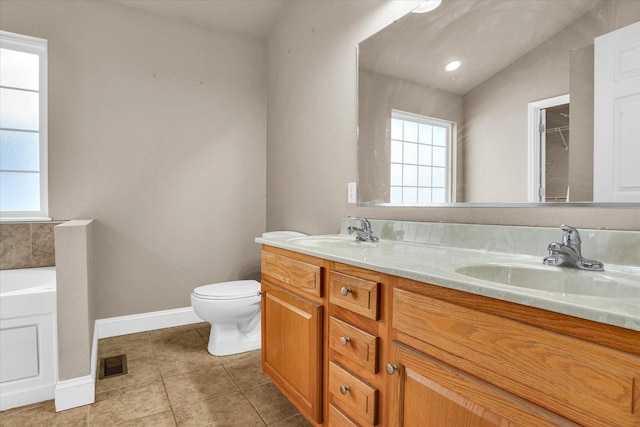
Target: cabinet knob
(344, 389)
(260, 293)
(345, 340)
(345, 291)
(391, 368)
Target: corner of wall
(77, 341)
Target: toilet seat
(228, 290)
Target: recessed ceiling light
(427, 6)
(453, 65)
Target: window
(420, 159)
(23, 127)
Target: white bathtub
(28, 343)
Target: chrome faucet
(362, 234)
(569, 252)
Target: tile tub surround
(172, 381)
(27, 245)
(431, 252)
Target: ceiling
(487, 35)
(417, 46)
(251, 18)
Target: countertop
(441, 265)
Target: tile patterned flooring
(172, 381)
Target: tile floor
(172, 381)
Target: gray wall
(156, 130)
(581, 123)
(311, 137)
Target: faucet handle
(364, 233)
(571, 237)
(364, 223)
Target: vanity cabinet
(428, 392)
(489, 369)
(354, 347)
(292, 325)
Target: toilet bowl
(233, 310)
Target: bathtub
(28, 343)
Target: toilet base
(225, 342)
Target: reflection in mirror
(555, 141)
(420, 159)
(517, 114)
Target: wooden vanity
(354, 347)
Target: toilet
(233, 310)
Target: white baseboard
(81, 391)
(75, 392)
(28, 396)
(123, 325)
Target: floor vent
(112, 366)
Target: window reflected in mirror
(420, 159)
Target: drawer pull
(345, 291)
(391, 368)
(344, 389)
(345, 340)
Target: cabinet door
(292, 347)
(429, 393)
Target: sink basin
(329, 242)
(558, 280)
(334, 243)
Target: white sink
(329, 242)
(558, 280)
(341, 241)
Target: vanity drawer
(588, 383)
(338, 419)
(295, 273)
(353, 396)
(355, 294)
(354, 344)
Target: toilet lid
(229, 290)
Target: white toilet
(233, 310)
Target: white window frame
(37, 46)
(450, 129)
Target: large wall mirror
(516, 121)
